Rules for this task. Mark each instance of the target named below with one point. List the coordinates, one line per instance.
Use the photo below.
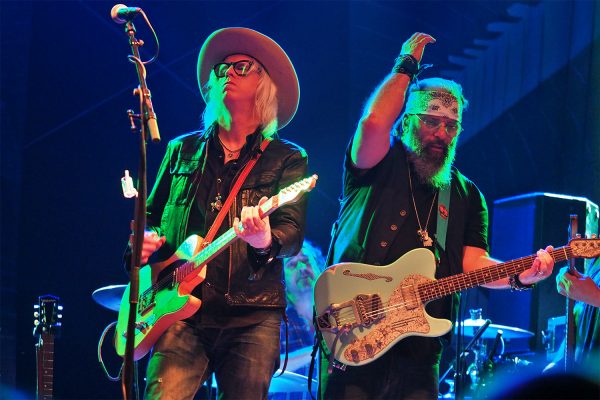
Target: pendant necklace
(217, 204)
(422, 233)
(230, 152)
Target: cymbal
(289, 382)
(508, 332)
(109, 296)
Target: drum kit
(485, 353)
(289, 382)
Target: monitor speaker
(520, 226)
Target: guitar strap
(313, 359)
(234, 191)
(287, 335)
(443, 215)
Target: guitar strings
(429, 292)
(188, 267)
(421, 296)
(181, 272)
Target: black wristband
(406, 64)
(263, 251)
(516, 284)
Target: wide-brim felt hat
(227, 41)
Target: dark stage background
(530, 69)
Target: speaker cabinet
(521, 225)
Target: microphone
(152, 125)
(120, 13)
(150, 115)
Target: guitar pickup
(146, 302)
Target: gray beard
(430, 169)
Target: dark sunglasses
(241, 68)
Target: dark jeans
(242, 359)
(408, 371)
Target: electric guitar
(45, 327)
(363, 310)
(166, 286)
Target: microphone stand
(460, 367)
(129, 384)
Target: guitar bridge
(363, 310)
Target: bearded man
(401, 192)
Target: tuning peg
(60, 308)
(59, 316)
(36, 306)
(36, 314)
(36, 322)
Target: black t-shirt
(377, 225)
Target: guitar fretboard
(45, 365)
(206, 255)
(219, 244)
(452, 284)
(213, 249)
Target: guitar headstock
(292, 193)
(585, 248)
(288, 195)
(47, 315)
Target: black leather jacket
(254, 281)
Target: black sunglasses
(241, 68)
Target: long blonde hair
(265, 104)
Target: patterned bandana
(434, 102)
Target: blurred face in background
(301, 272)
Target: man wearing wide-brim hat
(251, 91)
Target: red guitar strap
(234, 191)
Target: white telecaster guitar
(166, 287)
(363, 310)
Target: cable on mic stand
(123, 14)
(489, 364)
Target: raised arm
(372, 137)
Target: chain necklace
(422, 233)
(230, 152)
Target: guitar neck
(45, 366)
(221, 243)
(207, 254)
(446, 286)
(287, 195)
